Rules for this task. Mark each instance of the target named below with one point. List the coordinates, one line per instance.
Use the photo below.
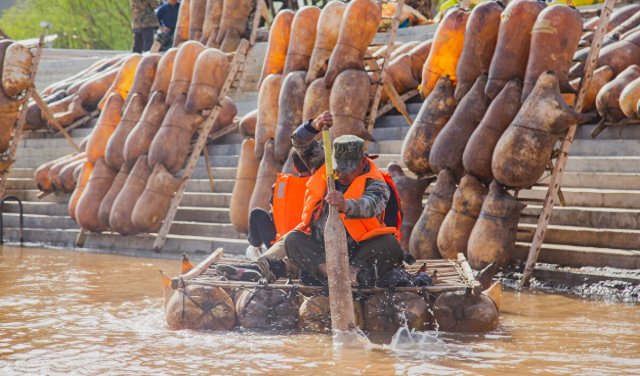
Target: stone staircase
(599, 226)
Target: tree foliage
(90, 24)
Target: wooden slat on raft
(198, 269)
(558, 171)
(452, 275)
(19, 125)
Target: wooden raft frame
(452, 276)
(558, 169)
(19, 126)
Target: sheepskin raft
(202, 299)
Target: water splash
(409, 342)
(352, 339)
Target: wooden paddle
(335, 246)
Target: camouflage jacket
(373, 200)
(143, 13)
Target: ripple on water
(73, 313)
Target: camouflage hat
(348, 151)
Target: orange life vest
(288, 200)
(358, 228)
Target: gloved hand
(408, 258)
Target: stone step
(43, 154)
(580, 147)
(204, 198)
(38, 221)
(607, 148)
(214, 230)
(218, 161)
(30, 195)
(612, 132)
(602, 218)
(198, 173)
(593, 198)
(115, 242)
(584, 236)
(621, 164)
(210, 229)
(202, 214)
(576, 256)
(599, 180)
(22, 172)
(184, 213)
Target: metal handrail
(21, 218)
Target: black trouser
(262, 230)
(382, 251)
(143, 39)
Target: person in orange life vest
(361, 196)
(379, 196)
(265, 228)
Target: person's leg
(383, 251)
(261, 228)
(137, 40)
(276, 251)
(305, 252)
(147, 38)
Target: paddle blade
(340, 298)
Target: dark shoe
(408, 258)
(265, 268)
(395, 277)
(233, 273)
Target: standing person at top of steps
(144, 23)
(265, 228)
(167, 15)
(362, 194)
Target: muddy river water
(65, 312)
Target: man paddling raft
(362, 194)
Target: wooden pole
(205, 152)
(556, 177)
(398, 103)
(373, 110)
(390, 106)
(82, 121)
(51, 119)
(335, 245)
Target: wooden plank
(389, 106)
(373, 110)
(51, 119)
(22, 118)
(198, 269)
(318, 289)
(205, 128)
(558, 171)
(397, 102)
(205, 152)
(82, 121)
(467, 273)
(82, 237)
